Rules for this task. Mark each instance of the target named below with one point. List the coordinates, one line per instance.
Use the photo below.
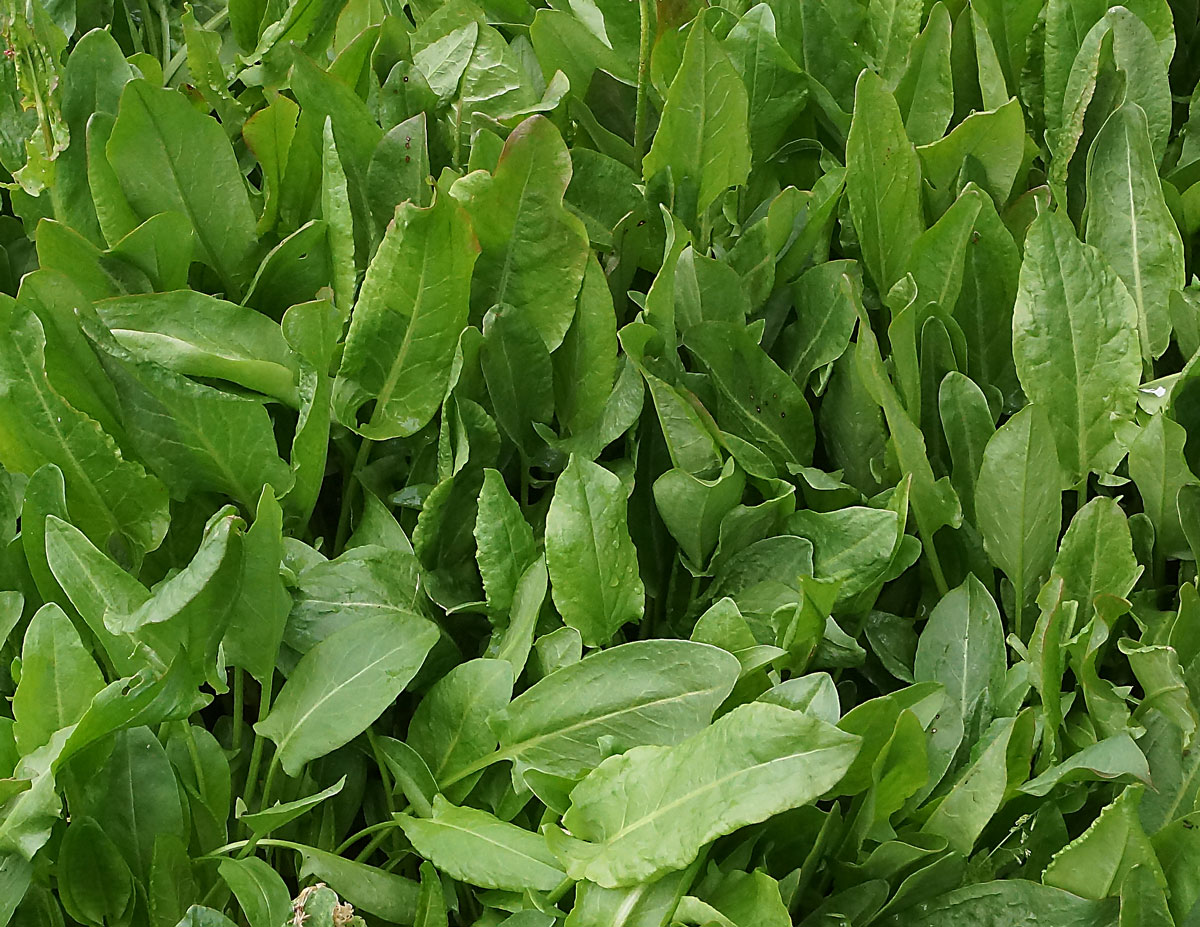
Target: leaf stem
(559, 890)
(478, 766)
(365, 853)
(935, 567)
(256, 751)
(643, 79)
(384, 773)
(268, 786)
(365, 832)
(350, 494)
(239, 707)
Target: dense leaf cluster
(598, 463)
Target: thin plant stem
(239, 707)
(641, 111)
(365, 832)
(350, 494)
(256, 751)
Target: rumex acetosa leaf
(406, 322)
(1075, 344)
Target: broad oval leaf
(1129, 222)
(1075, 344)
(405, 325)
(480, 849)
(343, 684)
(170, 157)
(592, 561)
(646, 692)
(650, 810)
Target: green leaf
(1111, 758)
(95, 586)
(883, 182)
(195, 437)
(592, 561)
(1161, 678)
(431, 904)
(169, 157)
(1075, 345)
(892, 25)
(1096, 556)
(365, 581)
(995, 901)
(533, 251)
(268, 133)
(338, 216)
(925, 93)
(1001, 765)
(406, 323)
(115, 502)
(374, 890)
(693, 509)
(1097, 862)
(650, 810)
(94, 884)
(505, 546)
(745, 898)
(967, 425)
(646, 692)
(1019, 502)
(759, 402)
(519, 375)
(647, 904)
(476, 847)
(962, 647)
(1143, 901)
(821, 332)
(449, 729)
(775, 86)
(199, 336)
(1129, 223)
(261, 893)
(343, 684)
(269, 819)
(585, 364)
(852, 546)
(994, 140)
(256, 625)
(311, 330)
(703, 136)
(135, 797)
(58, 679)
(189, 611)
(1158, 469)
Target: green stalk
(935, 567)
(239, 707)
(256, 752)
(384, 774)
(269, 785)
(365, 853)
(350, 494)
(641, 110)
(368, 831)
